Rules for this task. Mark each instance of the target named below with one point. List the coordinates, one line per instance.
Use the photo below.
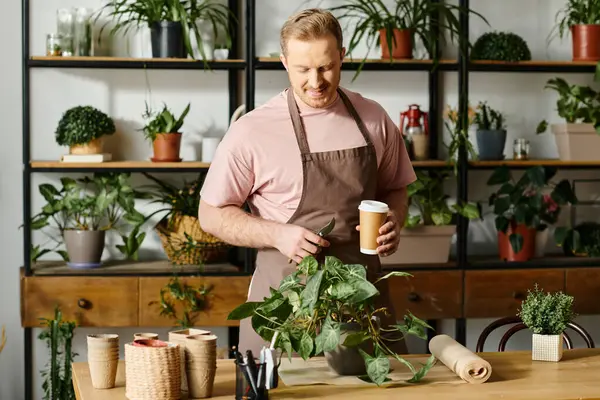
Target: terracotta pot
(527, 250)
(401, 47)
(586, 42)
(93, 147)
(166, 147)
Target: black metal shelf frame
(250, 65)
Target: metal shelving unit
(250, 64)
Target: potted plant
(582, 240)
(491, 132)
(500, 46)
(163, 131)
(578, 137)
(427, 235)
(459, 136)
(172, 23)
(179, 230)
(581, 18)
(547, 315)
(83, 128)
(520, 208)
(395, 27)
(329, 308)
(83, 210)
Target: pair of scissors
(324, 231)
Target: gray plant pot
(84, 248)
(490, 144)
(348, 360)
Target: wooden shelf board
(537, 63)
(160, 267)
(431, 163)
(533, 162)
(127, 59)
(372, 60)
(549, 261)
(411, 267)
(119, 164)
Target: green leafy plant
(82, 124)
(163, 122)
(310, 317)
(546, 313)
(58, 335)
(370, 16)
(575, 104)
(501, 46)
(487, 118)
(177, 295)
(427, 195)
(580, 240)
(459, 137)
(575, 12)
(102, 202)
(136, 14)
(533, 200)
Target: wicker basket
(152, 372)
(176, 244)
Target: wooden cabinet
(584, 285)
(499, 293)
(121, 301)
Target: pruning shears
(324, 231)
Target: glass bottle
(65, 26)
(521, 149)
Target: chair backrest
(520, 326)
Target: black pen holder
(244, 389)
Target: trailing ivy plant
(58, 336)
(427, 195)
(501, 46)
(192, 300)
(547, 313)
(82, 124)
(309, 318)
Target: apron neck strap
(299, 126)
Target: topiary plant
(82, 124)
(501, 46)
(547, 313)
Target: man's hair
(309, 24)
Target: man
(310, 153)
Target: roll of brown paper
(462, 361)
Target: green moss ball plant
(82, 128)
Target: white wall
(121, 93)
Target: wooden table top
(514, 376)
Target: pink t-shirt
(259, 160)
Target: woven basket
(152, 372)
(207, 248)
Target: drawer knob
(83, 303)
(412, 296)
(518, 295)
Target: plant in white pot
(547, 316)
(329, 308)
(578, 136)
(427, 234)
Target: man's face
(314, 69)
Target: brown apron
(335, 182)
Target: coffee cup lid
(373, 206)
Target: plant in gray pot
(491, 132)
(334, 314)
(172, 23)
(83, 210)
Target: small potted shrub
(83, 128)
(163, 131)
(547, 316)
(427, 234)
(520, 208)
(491, 132)
(501, 46)
(333, 314)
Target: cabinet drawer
(495, 294)
(227, 292)
(584, 285)
(90, 301)
(428, 294)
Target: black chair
(520, 326)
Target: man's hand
(296, 242)
(389, 236)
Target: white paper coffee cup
(372, 216)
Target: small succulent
(82, 124)
(501, 46)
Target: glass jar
(521, 149)
(65, 26)
(83, 32)
(54, 44)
